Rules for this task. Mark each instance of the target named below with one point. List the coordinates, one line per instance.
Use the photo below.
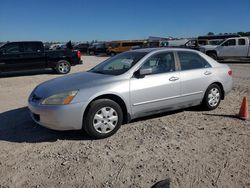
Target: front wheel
(103, 119)
(63, 67)
(212, 97)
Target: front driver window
(160, 63)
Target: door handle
(207, 73)
(173, 78)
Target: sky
(86, 20)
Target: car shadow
(27, 73)
(158, 115)
(17, 126)
(222, 115)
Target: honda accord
(127, 86)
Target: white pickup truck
(230, 49)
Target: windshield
(118, 64)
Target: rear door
(196, 74)
(10, 56)
(242, 48)
(32, 55)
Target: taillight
(230, 72)
(78, 54)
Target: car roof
(148, 50)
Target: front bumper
(58, 117)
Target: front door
(158, 91)
(227, 49)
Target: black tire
(212, 55)
(208, 103)
(95, 107)
(63, 67)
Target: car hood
(71, 82)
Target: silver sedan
(127, 86)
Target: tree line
(243, 34)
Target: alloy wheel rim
(213, 97)
(63, 67)
(105, 120)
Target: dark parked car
(32, 55)
(97, 48)
(82, 47)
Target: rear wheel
(212, 97)
(63, 67)
(103, 118)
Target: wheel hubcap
(213, 97)
(105, 120)
(63, 67)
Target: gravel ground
(191, 148)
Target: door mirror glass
(145, 71)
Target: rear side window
(242, 42)
(32, 47)
(191, 60)
(11, 48)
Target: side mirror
(143, 72)
(147, 71)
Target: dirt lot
(192, 148)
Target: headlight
(60, 99)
